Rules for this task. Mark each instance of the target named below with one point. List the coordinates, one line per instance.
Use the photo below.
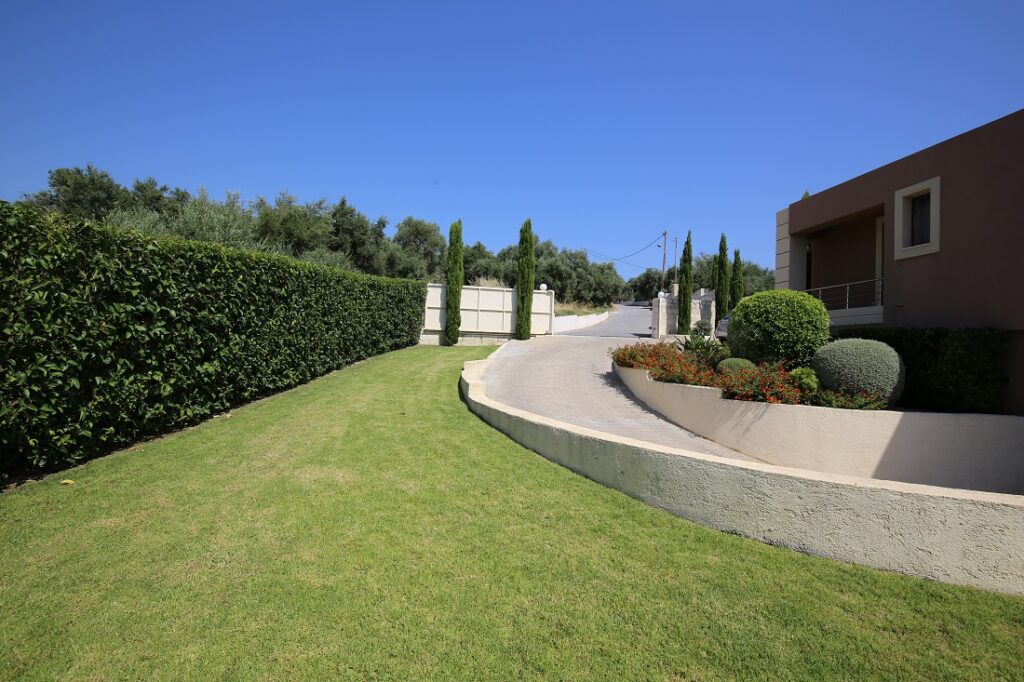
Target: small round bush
(806, 379)
(734, 365)
(855, 365)
(781, 325)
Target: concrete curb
(957, 536)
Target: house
(935, 239)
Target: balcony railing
(851, 295)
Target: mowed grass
(367, 525)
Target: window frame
(903, 214)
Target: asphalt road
(626, 322)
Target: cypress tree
(736, 283)
(722, 279)
(526, 268)
(686, 286)
(453, 285)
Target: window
(917, 219)
(920, 219)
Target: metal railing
(850, 295)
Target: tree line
(647, 284)
(331, 234)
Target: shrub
(453, 285)
(806, 379)
(665, 362)
(781, 325)
(860, 365)
(526, 268)
(856, 401)
(764, 383)
(963, 370)
(701, 328)
(707, 349)
(109, 336)
(734, 365)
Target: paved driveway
(569, 377)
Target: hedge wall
(947, 370)
(108, 336)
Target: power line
(606, 259)
(622, 258)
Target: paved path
(569, 378)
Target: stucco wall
(488, 313)
(972, 451)
(970, 538)
(843, 254)
(982, 229)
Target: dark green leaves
(109, 337)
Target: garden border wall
(973, 451)
(958, 536)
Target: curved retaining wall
(965, 537)
(974, 451)
(568, 323)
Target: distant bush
(707, 349)
(488, 282)
(807, 379)
(781, 325)
(734, 365)
(701, 328)
(110, 336)
(947, 370)
(855, 366)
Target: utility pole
(674, 286)
(664, 255)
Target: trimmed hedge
(779, 325)
(860, 366)
(947, 370)
(109, 337)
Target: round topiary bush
(734, 364)
(781, 325)
(855, 365)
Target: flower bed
(766, 382)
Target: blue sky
(604, 122)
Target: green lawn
(367, 525)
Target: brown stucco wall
(976, 279)
(843, 253)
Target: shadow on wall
(984, 450)
(968, 451)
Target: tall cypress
(736, 282)
(686, 286)
(526, 268)
(453, 285)
(722, 279)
